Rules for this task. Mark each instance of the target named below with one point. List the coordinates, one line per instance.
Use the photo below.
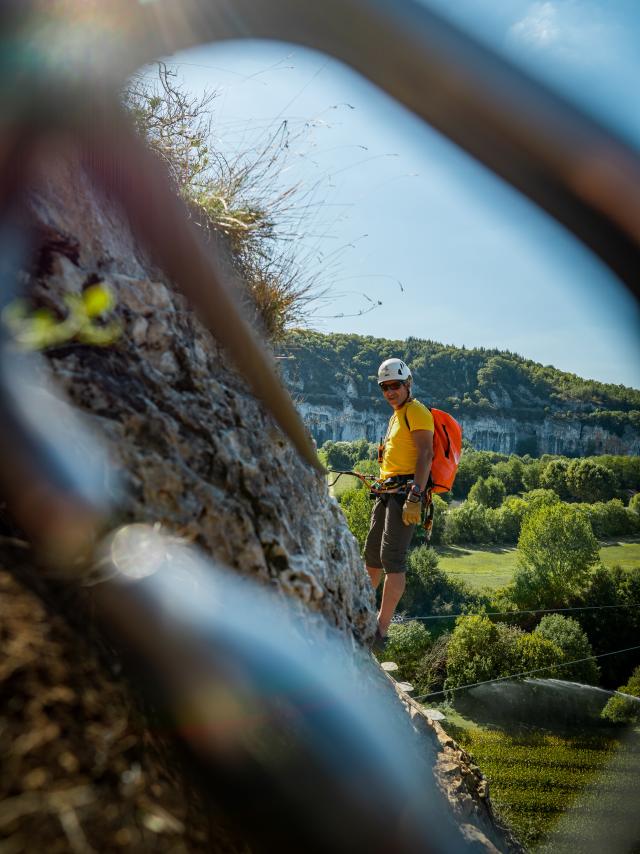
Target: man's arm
(423, 440)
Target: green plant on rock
(239, 199)
(87, 321)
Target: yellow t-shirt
(400, 452)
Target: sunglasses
(391, 386)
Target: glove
(411, 511)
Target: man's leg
(393, 552)
(373, 542)
(392, 591)
(375, 574)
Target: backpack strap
(406, 417)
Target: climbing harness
(396, 485)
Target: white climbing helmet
(393, 369)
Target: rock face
(501, 433)
(463, 784)
(193, 451)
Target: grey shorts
(388, 538)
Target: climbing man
(405, 457)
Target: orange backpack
(447, 447)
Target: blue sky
(410, 235)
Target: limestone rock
(194, 449)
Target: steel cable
(523, 674)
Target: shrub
(567, 635)
(430, 590)
(406, 645)
(508, 519)
(534, 652)
(590, 481)
(480, 650)
(621, 709)
(468, 523)
(356, 506)
(611, 519)
(489, 492)
(431, 670)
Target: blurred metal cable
(298, 740)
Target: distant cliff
(505, 403)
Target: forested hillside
(324, 370)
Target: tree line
(457, 379)
(493, 493)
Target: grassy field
(493, 566)
(558, 790)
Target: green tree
(568, 635)
(489, 492)
(510, 473)
(556, 553)
(535, 652)
(554, 476)
(406, 645)
(356, 506)
(480, 650)
(625, 709)
(611, 519)
(586, 480)
(430, 590)
(531, 475)
(338, 455)
(538, 498)
(634, 503)
(617, 624)
(473, 464)
(468, 523)
(508, 519)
